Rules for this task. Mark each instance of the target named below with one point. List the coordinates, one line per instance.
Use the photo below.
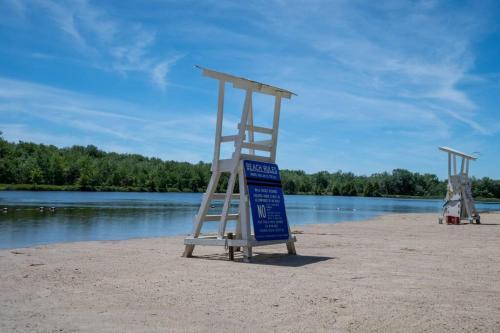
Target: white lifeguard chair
(459, 203)
(245, 148)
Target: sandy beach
(396, 273)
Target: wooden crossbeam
(258, 129)
(246, 84)
(218, 196)
(218, 217)
(256, 146)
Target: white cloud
(159, 74)
(401, 57)
(36, 112)
(402, 70)
(103, 41)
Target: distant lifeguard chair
(245, 149)
(459, 203)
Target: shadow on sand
(474, 224)
(274, 259)
(488, 224)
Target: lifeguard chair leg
(202, 212)
(244, 209)
(290, 245)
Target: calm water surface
(82, 216)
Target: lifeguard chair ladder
(245, 148)
(459, 203)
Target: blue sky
(380, 85)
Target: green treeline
(38, 166)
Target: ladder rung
(228, 138)
(256, 158)
(264, 142)
(226, 165)
(217, 217)
(220, 196)
(255, 146)
(258, 129)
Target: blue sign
(266, 200)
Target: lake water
(82, 216)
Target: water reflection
(81, 216)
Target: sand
(396, 273)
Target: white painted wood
(276, 123)
(236, 157)
(467, 204)
(238, 222)
(267, 143)
(205, 203)
(245, 139)
(229, 138)
(261, 89)
(244, 212)
(226, 165)
(255, 146)
(198, 223)
(214, 241)
(458, 153)
(250, 129)
(219, 196)
(258, 129)
(459, 201)
(449, 165)
(242, 83)
(218, 126)
(256, 158)
(218, 217)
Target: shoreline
(114, 189)
(396, 272)
(296, 229)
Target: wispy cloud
(27, 109)
(375, 80)
(160, 71)
(104, 41)
(401, 53)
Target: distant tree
(369, 189)
(90, 168)
(335, 190)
